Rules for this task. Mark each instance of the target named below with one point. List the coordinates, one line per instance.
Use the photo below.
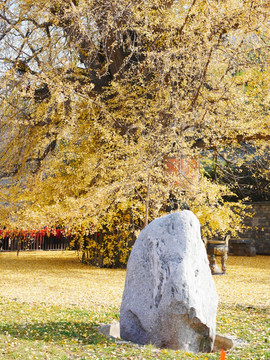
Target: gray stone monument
(170, 298)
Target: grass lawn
(51, 308)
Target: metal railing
(39, 242)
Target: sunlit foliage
(96, 94)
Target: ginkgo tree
(96, 95)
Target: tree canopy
(96, 95)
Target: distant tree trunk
(19, 246)
(147, 202)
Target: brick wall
(260, 227)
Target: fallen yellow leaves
(59, 278)
(61, 302)
(247, 281)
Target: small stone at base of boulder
(112, 330)
(222, 342)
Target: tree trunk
(147, 202)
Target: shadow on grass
(84, 333)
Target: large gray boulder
(170, 298)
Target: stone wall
(259, 225)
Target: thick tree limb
(228, 141)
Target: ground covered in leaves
(51, 307)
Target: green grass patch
(53, 327)
(40, 331)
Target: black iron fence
(36, 242)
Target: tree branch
(228, 141)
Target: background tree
(96, 94)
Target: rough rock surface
(170, 298)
